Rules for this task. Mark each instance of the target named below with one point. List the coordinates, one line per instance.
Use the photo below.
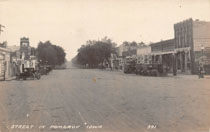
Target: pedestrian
(201, 71)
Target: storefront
(184, 59)
(165, 58)
(5, 61)
(163, 53)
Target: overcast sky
(70, 23)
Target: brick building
(191, 37)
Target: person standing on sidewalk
(201, 71)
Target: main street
(105, 101)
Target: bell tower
(25, 50)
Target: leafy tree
(50, 54)
(95, 52)
(60, 54)
(126, 43)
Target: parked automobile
(130, 65)
(28, 73)
(45, 69)
(151, 69)
(144, 67)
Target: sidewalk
(179, 75)
(188, 76)
(107, 69)
(10, 78)
(7, 78)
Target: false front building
(163, 53)
(192, 40)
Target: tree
(50, 54)
(95, 52)
(60, 54)
(126, 43)
(133, 43)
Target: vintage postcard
(104, 65)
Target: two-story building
(192, 38)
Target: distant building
(144, 50)
(143, 55)
(15, 52)
(122, 48)
(130, 52)
(128, 49)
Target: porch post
(185, 58)
(181, 61)
(174, 64)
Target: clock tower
(25, 49)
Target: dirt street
(103, 101)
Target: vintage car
(45, 69)
(151, 69)
(130, 65)
(28, 73)
(130, 68)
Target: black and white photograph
(104, 65)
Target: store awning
(182, 49)
(162, 53)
